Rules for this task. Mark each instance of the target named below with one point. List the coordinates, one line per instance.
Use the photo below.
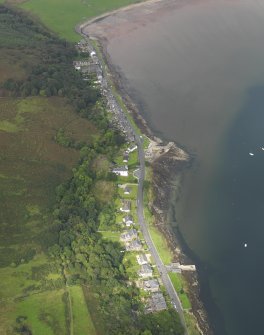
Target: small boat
(251, 154)
(245, 245)
(262, 148)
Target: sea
(197, 76)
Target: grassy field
(29, 290)
(82, 322)
(111, 235)
(161, 245)
(181, 288)
(45, 312)
(62, 15)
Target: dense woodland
(71, 241)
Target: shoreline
(168, 160)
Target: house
(125, 157)
(128, 220)
(126, 206)
(128, 235)
(156, 303)
(134, 245)
(145, 271)
(151, 285)
(142, 259)
(127, 190)
(121, 171)
(132, 148)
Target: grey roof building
(127, 190)
(134, 245)
(151, 285)
(129, 235)
(156, 303)
(145, 271)
(126, 206)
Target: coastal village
(145, 273)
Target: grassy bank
(62, 15)
(181, 288)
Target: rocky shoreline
(167, 161)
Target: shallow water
(198, 76)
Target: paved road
(140, 212)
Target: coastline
(166, 167)
(167, 164)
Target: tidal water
(197, 75)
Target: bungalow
(121, 171)
(129, 235)
(142, 259)
(128, 220)
(126, 206)
(145, 271)
(127, 190)
(134, 245)
(151, 285)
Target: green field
(161, 245)
(63, 15)
(181, 288)
(82, 322)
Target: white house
(132, 148)
(142, 259)
(128, 220)
(121, 171)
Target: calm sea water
(198, 76)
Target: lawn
(63, 15)
(131, 195)
(42, 313)
(82, 322)
(111, 235)
(181, 288)
(161, 245)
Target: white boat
(262, 148)
(251, 154)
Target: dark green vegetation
(55, 192)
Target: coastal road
(140, 211)
(154, 253)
